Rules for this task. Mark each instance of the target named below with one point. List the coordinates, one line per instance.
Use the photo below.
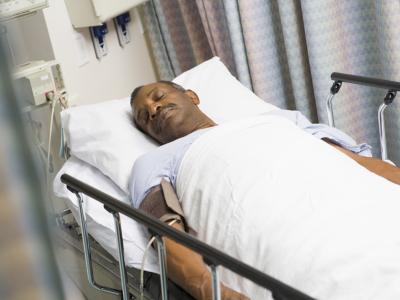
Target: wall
(50, 35)
(115, 75)
(29, 39)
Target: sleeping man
(275, 179)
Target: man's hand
(202, 288)
(229, 294)
(187, 269)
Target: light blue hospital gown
(164, 161)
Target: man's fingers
(229, 294)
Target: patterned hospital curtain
(277, 54)
(357, 37)
(176, 36)
(285, 51)
(215, 23)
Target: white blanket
(295, 208)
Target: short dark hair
(134, 93)
(170, 83)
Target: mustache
(157, 122)
(169, 105)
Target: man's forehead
(149, 87)
(146, 89)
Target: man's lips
(162, 116)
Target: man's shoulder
(151, 167)
(147, 172)
(150, 158)
(156, 157)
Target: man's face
(164, 112)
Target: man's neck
(206, 124)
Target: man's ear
(193, 96)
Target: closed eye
(159, 95)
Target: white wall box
(86, 13)
(10, 9)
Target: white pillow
(103, 135)
(222, 96)
(100, 223)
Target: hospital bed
(392, 88)
(108, 158)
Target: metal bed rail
(211, 256)
(392, 88)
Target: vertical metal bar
(163, 267)
(382, 133)
(329, 109)
(216, 287)
(87, 253)
(277, 296)
(85, 239)
(122, 269)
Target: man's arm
(185, 267)
(375, 165)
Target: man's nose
(153, 109)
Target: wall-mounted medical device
(10, 9)
(98, 34)
(36, 81)
(87, 13)
(121, 25)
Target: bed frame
(392, 88)
(211, 256)
(68, 236)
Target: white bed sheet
(322, 224)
